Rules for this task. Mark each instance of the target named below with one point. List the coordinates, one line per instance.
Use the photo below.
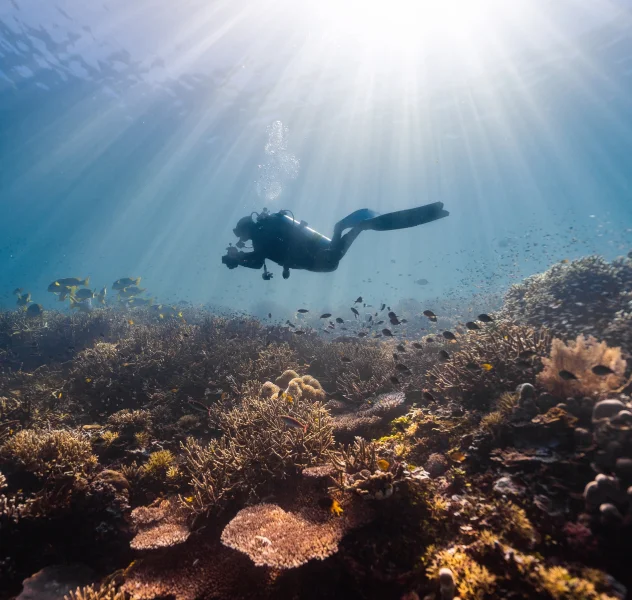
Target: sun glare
(409, 23)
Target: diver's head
(244, 229)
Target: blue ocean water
(133, 136)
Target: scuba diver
(279, 237)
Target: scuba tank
(303, 225)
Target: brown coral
(159, 525)
(578, 358)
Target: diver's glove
(266, 275)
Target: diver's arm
(251, 260)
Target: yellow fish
(487, 366)
(457, 456)
(130, 321)
(383, 465)
(88, 380)
(124, 282)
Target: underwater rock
(545, 402)
(623, 417)
(447, 584)
(54, 582)
(610, 514)
(526, 391)
(623, 468)
(507, 486)
(436, 465)
(583, 437)
(115, 479)
(606, 409)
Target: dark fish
(630, 254)
(448, 335)
(392, 315)
(421, 282)
(428, 396)
(602, 370)
(395, 321)
(361, 334)
(401, 348)
(394, 380)
(525, 354)
(379, 322)
(383, 307)
(387, 332)
(395, 357)
(402, 367)
(345, 359)
(325, 315)
(430, 340)
(523, 364)
(404, 321)
(417, 345)
(302, 311)
(355, 312)
(339, 320)
(359, 300)
(567, 375)
(293, 423)
(472, 326)
(34, 310)
(472, 366)
(485, 318)
(430, 315)
(443, 355)
(299, 332)
(269, 315)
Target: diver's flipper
(355, 218)
(402, 219)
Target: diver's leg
(351, 220)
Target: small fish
(355, 312)
(384, 305)
(130, 322)
(24, 299)
(487, 366)
(523, 364)
(101, 295)
(394, 380)
(330, 505)
(395, 357)
(567, 375)
(293, 423)
(472, 366)
(457, 456)
(83, 294)
(359, 300)
(485, 318)
(402, 367)
(448, 335)
(345, 359)
(73, 282)
(383, 465)
(401, 348)
(34, 310)
(361, 334)
(302, 311)
(299, 332)
(430, 315)
(472, 326)
(430, 340)
(387, 332)
(428, 396)
(174, 390)
(422, 282)
(269, 315)
(140, 302)
(600, 370)
(325, 315)
(443, 355)
(88, 380)
(122, 283)
(526, 354)
(131, 291)
(417, 345)
(17, 291)
(339, 320)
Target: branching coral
(370, 417)
(265, 438)
(89, 592)
(465, 377)
(49, 453)
(579, 358)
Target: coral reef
(207, 456)
(588, 296)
